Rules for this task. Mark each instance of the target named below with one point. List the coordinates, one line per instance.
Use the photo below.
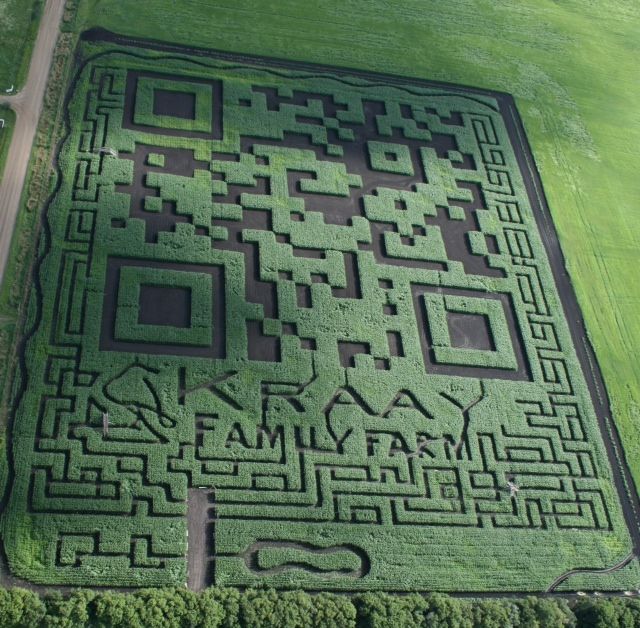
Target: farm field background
(248, 287)
(313, 385)
(572, 68)
(19, 21)
(581, 123)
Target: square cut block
(181, 105)
(388, 157)
(164, 307)
(488, 343)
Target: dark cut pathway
(201, 538)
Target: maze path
(324, 302)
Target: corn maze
(299, 328)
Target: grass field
(573, 70)
(6, 322)
(19, 21)
(9, 117)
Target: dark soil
(176, 104)
(469, 331)
(201, 544)
(160, 305)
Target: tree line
(267, 608)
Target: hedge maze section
(298, 329)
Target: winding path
(27, 105)
(560, 579)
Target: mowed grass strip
(9, 117)
(573, 70)
(19, 20)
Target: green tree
(295, 609)
(538, 612)
(20, 608)
(68, 612)
(211, 611)
(167, 608)
(611, 612)
(495, 614)
(229, 601)
(447, 612)
(381, 610)
(597, 613)
(333, 610)
(114, 609)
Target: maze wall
(298, 329)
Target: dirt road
(27, 104)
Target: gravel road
(27, 104)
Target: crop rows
(298, 328)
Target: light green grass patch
(9, 117)
(19, 21)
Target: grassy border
(27, 39)
(39, 184)
(6, 134)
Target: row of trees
(266, 608)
